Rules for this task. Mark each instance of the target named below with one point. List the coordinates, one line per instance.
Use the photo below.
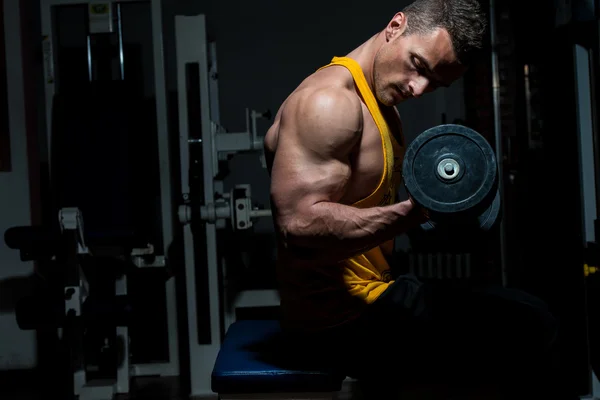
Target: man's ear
(396, 26)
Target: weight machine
(97, 56)
(205, 206)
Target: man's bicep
(312, 164)
(300, 179)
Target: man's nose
(419, 86)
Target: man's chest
(379, 156)
(382, 142)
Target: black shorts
(453, 332)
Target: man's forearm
(332, 232)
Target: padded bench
(255, 363)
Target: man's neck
(364, 55)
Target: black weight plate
(483, 223)
(470, 186)
(491, 215)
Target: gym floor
(22, 387)
(156, 388)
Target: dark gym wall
(545, 242)
(4, 135)
(17, 349)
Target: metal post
(49, 67)
(214, 83)
(586, 142)
(192, 48)
(166, 188)
(498, 140)
(122, 384)
(120, 28)
(585, 135)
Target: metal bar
(257, 298)
(586, 142)
(260, 213)
(51, 3)
(166, 189)
(202, 380)
(281, 396)
(585, 136)
(233, 142)
(190, 33)
(594, 75)
(123, 377)
(120, 28)
(155, 369)
(214, 83)
(89, 58)
(528, 120)
(49, 77)
(498, 138)
(188, 239)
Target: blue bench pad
(254, 358)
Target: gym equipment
(109, 147)
(109, 159)
(451, 172)
(207, 207)
(255, 362)
(95, 67)
(87, 298)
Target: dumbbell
(450, 171)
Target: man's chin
(388, 100)
(396, 98)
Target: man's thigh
(452, 329)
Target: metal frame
(583, 105)
(280, 396)
(585, 135)
(170, 368)
(191, 44)
(192, 47)
(498, 141)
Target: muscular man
(335, 154)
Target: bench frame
(280, 396)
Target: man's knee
(537, 329)
(522, 321)
(550, 328)
(543, 323)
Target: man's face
(411, 65)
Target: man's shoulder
(337, 78)
(324, 116)
(329, 90)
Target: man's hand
(415, 208)
(415, 212)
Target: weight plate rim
(492, 215)
(490, 182)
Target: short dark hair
(464, 20)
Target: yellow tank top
(319, 298)
(368, 275)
